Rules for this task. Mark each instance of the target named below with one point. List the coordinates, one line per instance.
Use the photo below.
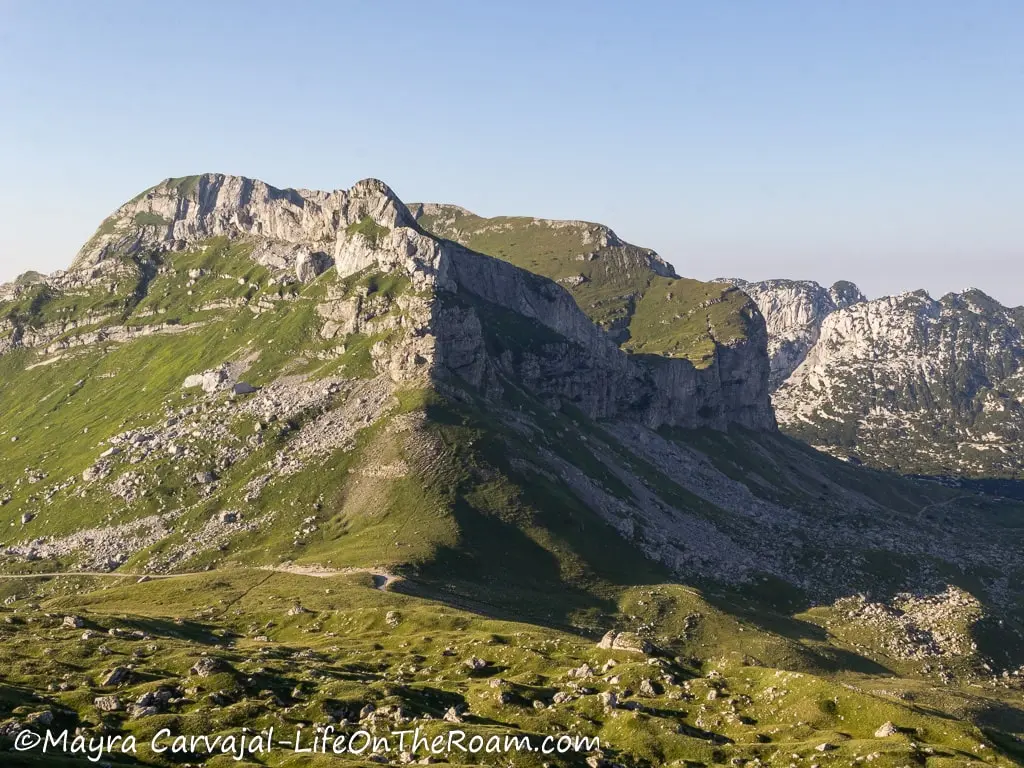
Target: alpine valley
(297, 459)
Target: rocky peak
(179, 212)
(844, 294)
(793, 311)
(914, 383)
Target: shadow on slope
(527, 547)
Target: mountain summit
(304, 233)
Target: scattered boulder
(10, 728)
(97, 471)
(625, 641)
(44, 718)
(582, 672)
(210, 381)
(244, 388)
(886, 729)
(208, 665)
(158, 698)
(107, 703)
(116, 676)
(574, 281)
(73, 622)
(476, 664)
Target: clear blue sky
(879, 140)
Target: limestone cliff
(907, 382)
(299, 234)
(794, 311)
(923, 385)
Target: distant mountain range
(908, 382)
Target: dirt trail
(381, 579)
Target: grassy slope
(619, 289)
(479, 540)
(342, 653)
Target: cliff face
(629, 292)
(298, 234)
(904, 382)
(793, 311)
(586, 369)
(917, 384)
(636, 298)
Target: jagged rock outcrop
(902, 382)
(916, 384)
(180, 211)
(793, 312)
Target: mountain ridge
(907, 382)
(407, 311)
(305, 232)
(629, 291)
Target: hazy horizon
(871, 143)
